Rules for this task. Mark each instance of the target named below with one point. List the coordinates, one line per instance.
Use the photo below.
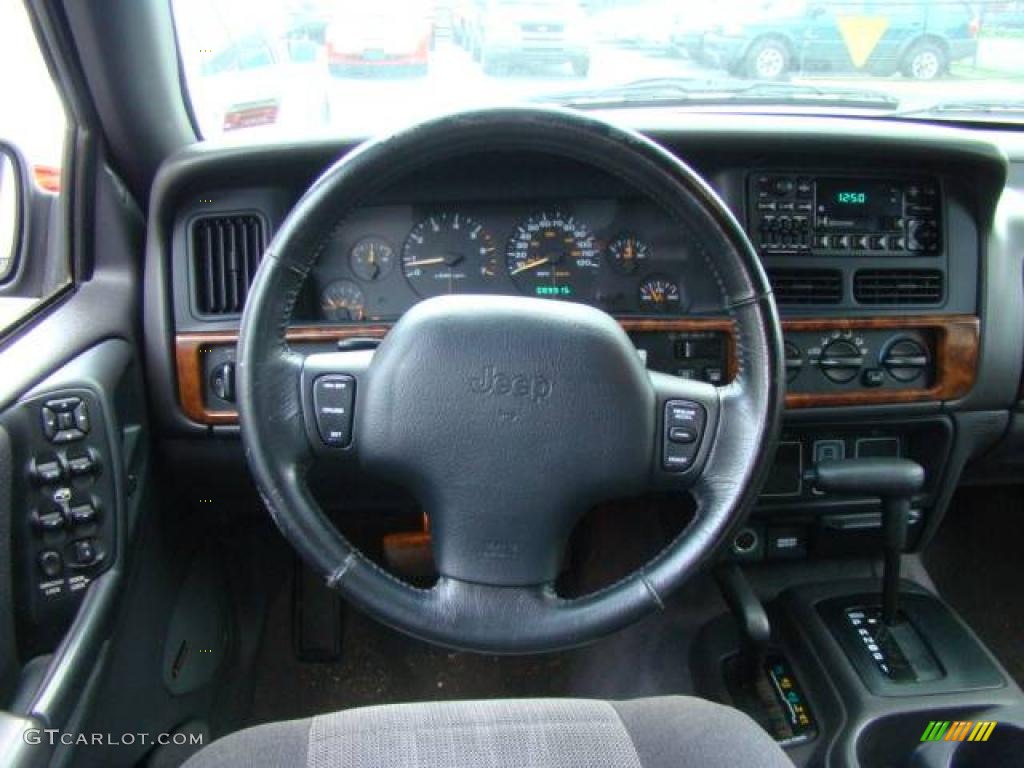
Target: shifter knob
(895, 481)
(887, 478)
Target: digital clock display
(863, 205)
(849, 197)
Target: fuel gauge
(342, 301)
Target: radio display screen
(869, 204)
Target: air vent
(226, 251)
(898, 286)
(806, 286)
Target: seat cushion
(520, 733)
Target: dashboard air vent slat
(226, 251)
(898, 286)
(806, 286)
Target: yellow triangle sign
(861, 34)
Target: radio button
(895, 243)
(805, 207)
(766, 205)
(783, 186)
(787, 205)
(804, 188)
(876, 242)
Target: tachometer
(553, 255)
(660, 295)
(342, 301)
(448, 253)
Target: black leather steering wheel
(507, 417)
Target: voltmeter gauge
(660, 295)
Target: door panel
(63, 481)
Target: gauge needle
(529, 265)
(426, 262)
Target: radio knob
(841, 361)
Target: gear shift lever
(895, 481)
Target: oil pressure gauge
(627, 254)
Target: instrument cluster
(623, 256)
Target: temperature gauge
(342, 301)
(660, 295)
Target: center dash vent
(226, 251)
(806, 286)
(898, 286)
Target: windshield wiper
(987, 107)
(668, 91)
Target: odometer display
(551, 255)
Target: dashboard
(874, 242)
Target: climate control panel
(851, 359)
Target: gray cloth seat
(671, 731)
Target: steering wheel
(507, 417)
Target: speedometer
(552, 255)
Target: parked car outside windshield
(354, 68)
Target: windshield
(356, 67)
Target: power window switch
(83, 514)
(47, 472)
(47, 522)
(84, 464)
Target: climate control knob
(905, 359)
(841, 361)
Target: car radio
(790, 213)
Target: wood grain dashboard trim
(956, 356)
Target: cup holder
(895, 741)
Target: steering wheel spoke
(331, 385)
